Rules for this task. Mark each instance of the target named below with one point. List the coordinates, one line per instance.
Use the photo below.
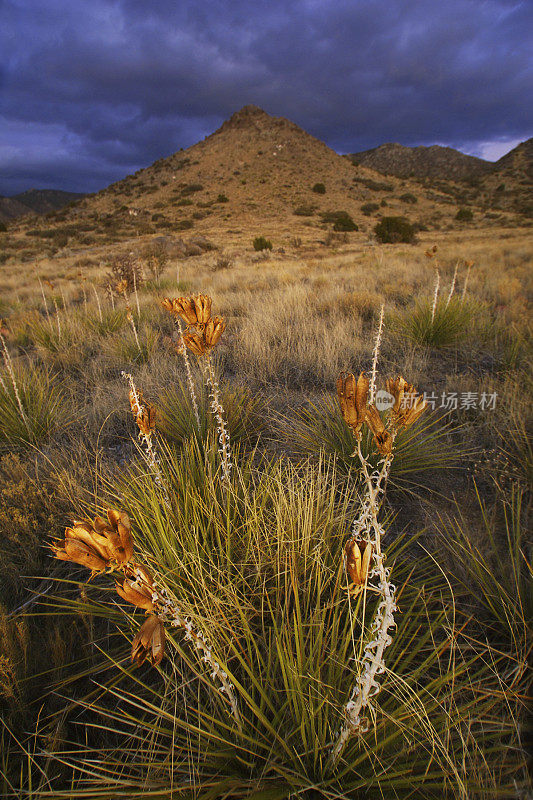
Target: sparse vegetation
(342, 221)
(391, 230)
(464, 215)
(319, 188)
(261, 243)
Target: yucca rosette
(382, 437)
(149, 642)
(358, 556)
(353, 399)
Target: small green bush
(369, 208)
(184, 224)
(3, 227)
(464, 215)
(222, 198)
(191, 188)
(342, 221)
(260, 243)
(319, 188)
(304, 211)
(395, 229)
(409, 198)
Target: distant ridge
(506, 184)
(422, 162)
(35, 201)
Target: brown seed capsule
(149, 641)
(382, 437)
(79, 552)
(202, 306)
(136, 593)
(146, 418)
(358, 555)
(408, 404)
(195, 343)
(353, 398)
(214, 330)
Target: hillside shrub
(304, 211)
(191, 188)
(464, 215)
(409, 198)
(183, 224)
(342, 221)
(369, 208)
(319, 188)
(222, 198)
(261, 243)
(3, 227)
(395, 229)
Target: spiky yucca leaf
(451, 323)
(44, 404)
(258, 568)
(430, 444)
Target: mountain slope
(256, 175)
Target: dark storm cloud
(92, 91)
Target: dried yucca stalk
(202, 334)
(106, 546)
(145, 416)
(363, 557)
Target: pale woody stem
(377, 348)
(168, 611)
(452, 287)
(373, 662)
(435, 297)
(190, 383)
(218, 412)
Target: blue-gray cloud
(92, 91)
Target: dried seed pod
(382, 437)
(149, 641)
(146, 418)
(185, 307)
(408, 404)
(79, 552)
(214, 330)
(195, 343)
(136, 593)
(358, 555)
(353, 398)
(202, 305)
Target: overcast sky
(91, 90)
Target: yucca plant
(258, 569)
(33, 406)
(245, 414)
(128, 348)
(437, 324)
(433, 443)
(109, 322)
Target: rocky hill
(256, 175)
